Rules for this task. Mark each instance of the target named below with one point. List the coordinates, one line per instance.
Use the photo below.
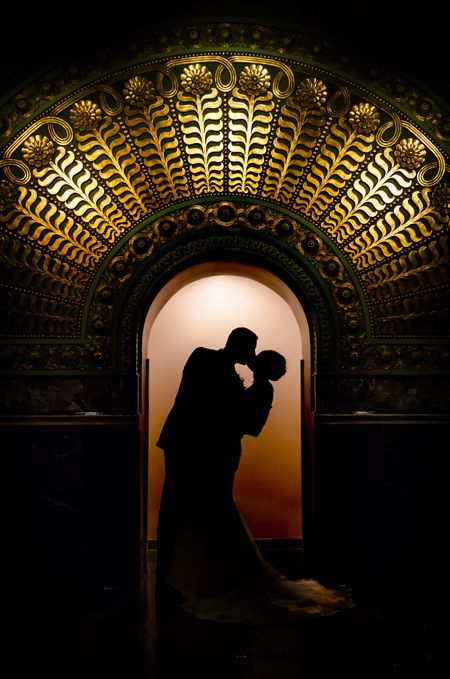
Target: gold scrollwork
(232, 77)
(163, 73)
(11, 163)
(287, 91)
(394, 123)
(223, 66)
(439, 171)
(339, 103)
(98, 89)
(110, 92)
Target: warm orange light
(201, 313)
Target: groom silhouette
(201, 436)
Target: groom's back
(207, 403)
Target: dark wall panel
(378, 507)
(82, 522)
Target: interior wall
(200, 307)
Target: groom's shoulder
(202, 360)
(198, 351)
(203, 354)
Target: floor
(373, 640)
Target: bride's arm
(257, 403)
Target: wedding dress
(223, 576)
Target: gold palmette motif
(196, 79)
(7, 195)
(96, 166)
(38, 150)
(364, 118)
(441, 198)
(138, 91)
(85, 115)
(410, 153)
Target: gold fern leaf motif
(425, 267)
(293, 146)
(72, 184)
(111, 156)
(381, 184)
(421, 312)
(408, 223)
(156, 140)
(200, 116)
(26, 266)
(249, 127)
(338, 159)
(8, 195)
(42, 223)
(45, 315)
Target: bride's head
(269, 365)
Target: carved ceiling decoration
(225, 230)
(94, 176)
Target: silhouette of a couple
(207, 560)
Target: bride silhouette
(206, 555)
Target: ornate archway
(257, 142)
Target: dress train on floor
(223, 576)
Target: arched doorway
(199, 306)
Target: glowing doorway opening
(199, 307)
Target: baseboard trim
(279, 544)
(264, 544)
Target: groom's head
(241, 345)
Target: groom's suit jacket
(208, 406)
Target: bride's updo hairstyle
(269, 364)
